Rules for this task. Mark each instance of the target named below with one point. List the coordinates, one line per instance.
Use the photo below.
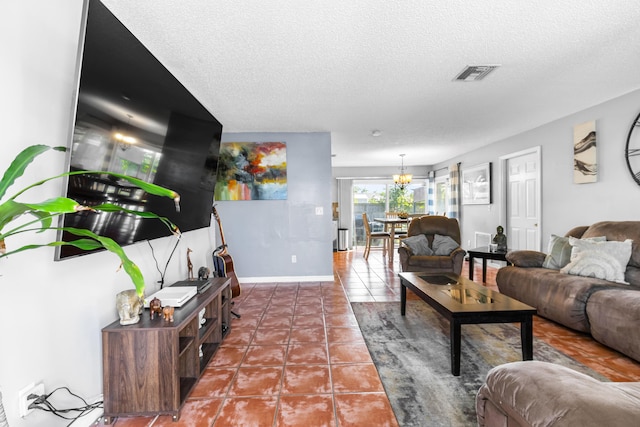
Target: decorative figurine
(203, 273)
(129, 306)
(500, 239)
(189, 264)
(167, 312)
(155, 306)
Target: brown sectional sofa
(609, 311)
(536, 393)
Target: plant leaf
(109, 244)
(94, 241)
(57, 205)
(109, 207)
(10, 210)
(86, 244)
(20, 163)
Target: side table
(484, 253)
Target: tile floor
(297, 357)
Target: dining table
(390, 223)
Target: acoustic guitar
(222, 261)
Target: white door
(522, 201)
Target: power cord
(42, 403)
(153, 254)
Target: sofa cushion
(614, 315)
(556, 296)
(559, 251)
(525, 258)
(443, 245)
(419, 245)
(535, 393)
(603, 260)
(430, 262)
(619, 231)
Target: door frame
(504, 187)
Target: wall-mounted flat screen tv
(135, 118)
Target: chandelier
(403, 179)
(123, 140)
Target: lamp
(403, 179)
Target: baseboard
(285, 279)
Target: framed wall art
(476, 185)
(252, 171)
(585, 161)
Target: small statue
(203, 273)
(189, 264)
(167, 313)
(129, 306)
(155, 306)
(500, 239)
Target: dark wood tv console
(150, 367)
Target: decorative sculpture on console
(189, 264)
(129, 306)
(167, 313)
(203, 273)
(155, 306)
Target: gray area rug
(411, 354)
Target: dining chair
(382, 235)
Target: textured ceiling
(349, 67)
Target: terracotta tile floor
(297, 357)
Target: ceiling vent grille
(474, 73)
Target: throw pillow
(559, 251)
(602, 260)
(418, 244)
(444, 245)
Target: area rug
(411, 354)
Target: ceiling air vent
(473, 73)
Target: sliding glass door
(375, 197)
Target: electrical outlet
(319, 210)
(23, 397)
(294, 259)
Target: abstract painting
(252, 171)
(585, 165)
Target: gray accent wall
(262, 235)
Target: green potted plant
(21, 217)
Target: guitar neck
(222, 239)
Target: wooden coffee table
(463, 301)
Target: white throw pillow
(603, 260)
(559, 251)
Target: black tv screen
(135, 118)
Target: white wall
(53, 312)
(615, 196)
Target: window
(375, 197)
(441, 195)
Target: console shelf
(151, 367)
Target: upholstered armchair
(432, 245)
